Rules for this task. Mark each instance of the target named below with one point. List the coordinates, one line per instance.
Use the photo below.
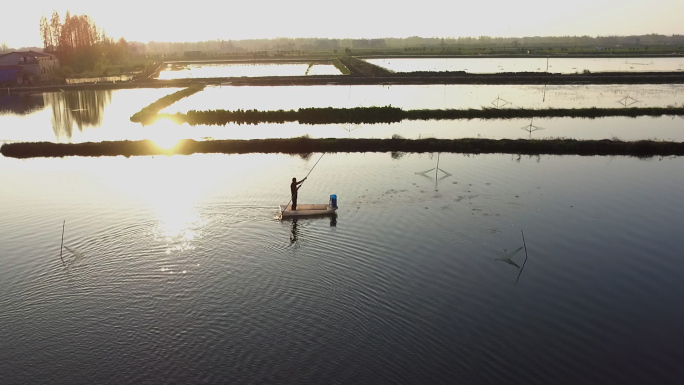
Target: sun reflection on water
(172, 189)
(165, 133)
(177, 228)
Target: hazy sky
(197, 20)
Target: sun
(166, 142)
(165, 133)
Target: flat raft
(307, 210)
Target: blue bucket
(333, 201)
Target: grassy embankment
(390, 114)
(150, 114)
(305, 145)
(138, 67)
(341, 67)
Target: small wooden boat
(307, 210)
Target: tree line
(307, 44)
(80, 44)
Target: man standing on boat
(294, 186)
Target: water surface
(246, 70)
(93, 116)
(177, 271)
(555, 64)
(77, 116)
(436, 96)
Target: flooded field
(487, 65)
(245, 69)
(175, 271)
(415, 97)
(93, 116)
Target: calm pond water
(177, 272)
(486, 65)
(76, 116)
(245, 69)
(416, 97)
(92, 116)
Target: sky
(200, 20)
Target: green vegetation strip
(341, 67)
(390, 114)
(306, 145)
(149, 114)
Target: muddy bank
(370, 77)
(258, 60)
(305, 145)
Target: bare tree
(56, 27)
(45, 33)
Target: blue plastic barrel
(333, 200)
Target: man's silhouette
(294, 186)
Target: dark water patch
(19, 104)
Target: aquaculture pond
(484, 65)
(415, 97)
(186, 71)
(93, 116)
(76, 116)
(176, 270)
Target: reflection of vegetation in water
(80, 108)
(20, 104)
(304, 155)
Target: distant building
(9, 74)
(17, 67)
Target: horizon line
(386, 37)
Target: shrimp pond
(562, 65)
(436, 268)
(190, 71)
(91, 116)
